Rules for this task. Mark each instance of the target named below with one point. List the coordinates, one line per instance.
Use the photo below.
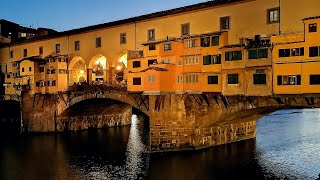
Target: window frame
(25, 52)
(98, 42)
(41, 50)
(123, 38)
(167, 47)
(186, 27)
(153, 37)
(58, 48)
(225, 23)
(229, 79)
(135, 64)
(77, 45)
(228, 53)
(314, 28)
(215, 81)
(272, 10)
(312, 82)
(136, 81)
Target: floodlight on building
(118, 67)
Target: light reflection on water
(136, 162)
(287, 147)
(288, 144)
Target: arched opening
(98, 65)
(77, 71)
(121, 69)
(10, 117)
(96, 113)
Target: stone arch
(120, 96)
(77, 70)
(100, 58)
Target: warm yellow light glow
(97, 62)
(118, 68)
(81, 71)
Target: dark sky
(69, 14)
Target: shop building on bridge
(238, 47)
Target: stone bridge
(177, 121)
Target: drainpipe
(279, 17)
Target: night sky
(64, 15)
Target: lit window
(151, 78)
(179, 80)
(167, 47)
(289, 80)
(57, 48)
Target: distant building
(13, 31)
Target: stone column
(112, 78)
(89, 76)
(172, 126)
(106, 75)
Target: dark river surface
(287, 147)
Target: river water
(287, 147)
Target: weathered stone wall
(98, 121)
(188, 122)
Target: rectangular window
(258, 53)
(22, 70)
(57, 48)
(191, 43)
(192, 78)
(123, 38)
(185, 29)
(25, 52)
(314, 51)
(77, 45)
(179, 80)
(233, 78)
(152, 61)
(179, 63)
(63, 71)
(41, 69)
(98, 42)
(30, 69)
(273, 15)
(212, 79)
(136, 64)
(192, 60)
(289, 80)
(51, 71)
(259, 79)
(136, 81)
(41, 50)
(212, 59)
(297, 51)
(315, 79)
(233, 55)
(151, 78)
(205, 42)
(284, 52)
(152, 47)
(215, 40)
(51, 83)
(11, 54)
(313, 27)
(225, 23)
(151, 35)
(167, 47)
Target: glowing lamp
(81, 71)
(118, 68)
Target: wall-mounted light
(81, 71)
(118, 68)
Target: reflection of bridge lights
(118, 67)
(81, 71)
